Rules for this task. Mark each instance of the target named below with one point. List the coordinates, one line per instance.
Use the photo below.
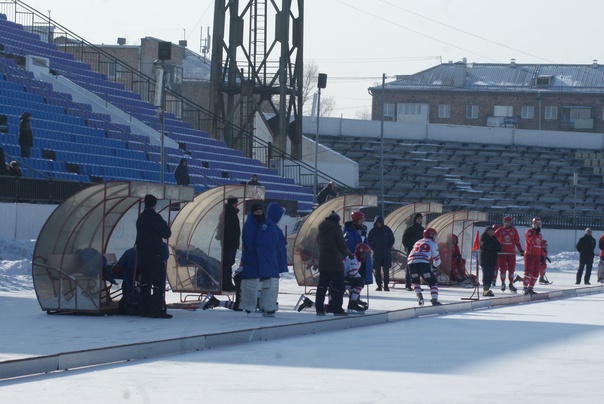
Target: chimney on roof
(594, 65)
(121, 41)
(459, 74)
(512, 62)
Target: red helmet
(430, 233)
(361, 250)
(357, 215)
(537, 220)
(507, 219)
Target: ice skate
(268, 314)
(544, 281)
(531, 291)
(503, 287)
(435, 302)
(211, 302)
(525, 291)
(303, 303)
(355, 308)
(513, 288)
(488, 292)
(517, 278)
(420, 299)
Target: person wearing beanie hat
(412, 235)
(489, 250)
(151, 229)
(332, 250)
(181, 174)
(263, 259)
(585, 246)
(228, 232)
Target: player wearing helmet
(510, 240)
(420, 260)
(354, 267)
(381, 240)
(533, 251)
(355, 233)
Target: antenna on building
(204, 43)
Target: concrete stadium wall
(463, 134)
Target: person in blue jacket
(263, 259)
(355, 232)
(381, 240)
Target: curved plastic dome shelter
(68, 265)
(461, 224)
(305, 249)
(196, 262)
(398, 221)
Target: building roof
(462, 76)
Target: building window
(503, 110)
(551, 112)
(444, 111)
(389, 112)
(527, 112)
(472, 111)
(411, 109)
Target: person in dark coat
(263, 259)
(229, 234)
(26, 139)
(411, 235)
(586, 246)
(181, 174)
(253, 180)
(151, 229)
(3, 167)
(14, 169)
(332, 250)
(488, 258)
(328, 192)
(381, 240)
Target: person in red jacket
(509, 240)
(533, 253)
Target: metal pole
(382, 148)
(317, 146)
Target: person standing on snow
(489, 248)
(586, 246)
(381, 240)
(423, 256)
(263, 259)
(411, 235)
(533, 251)
(510, 240)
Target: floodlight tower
(257, 49)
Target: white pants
(269, 290)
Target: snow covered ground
(548, 351)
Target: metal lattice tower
(257, 49)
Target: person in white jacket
(420, 260)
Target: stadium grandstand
(75, 140)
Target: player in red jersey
(510, 240)
(533, 252)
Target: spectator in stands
(411, 235)
(3, 166)
(181, 174)
(489, 248)
(229, 234)
(151, 228)
(14, 169)
(253, 180)
(263, 259)
(586, 246)
(26, 139)
(381, 240)
(332, 250)
(533, 251)
(328, 192)
(510, 241)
